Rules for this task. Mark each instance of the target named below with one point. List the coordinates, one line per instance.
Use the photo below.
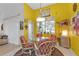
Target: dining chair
(26, 47)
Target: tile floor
(11, 49)
(65, 51)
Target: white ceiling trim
(37, 5)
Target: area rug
(19, 53)
(56, 52)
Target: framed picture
(2, 27)
(74, 7)
(21, 25)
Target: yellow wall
(28, 15)
(75, 40)
(60, 11)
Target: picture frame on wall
(2, 27)
(75, 24)
(21, 25)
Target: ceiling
(37, 5)
(9, 9)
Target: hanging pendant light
(40, 17)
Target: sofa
(3, 39)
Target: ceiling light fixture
(40, 18)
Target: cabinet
(64, 36)
(65, 42)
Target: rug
(19, 53)
(56, 52)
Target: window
(46, 26)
